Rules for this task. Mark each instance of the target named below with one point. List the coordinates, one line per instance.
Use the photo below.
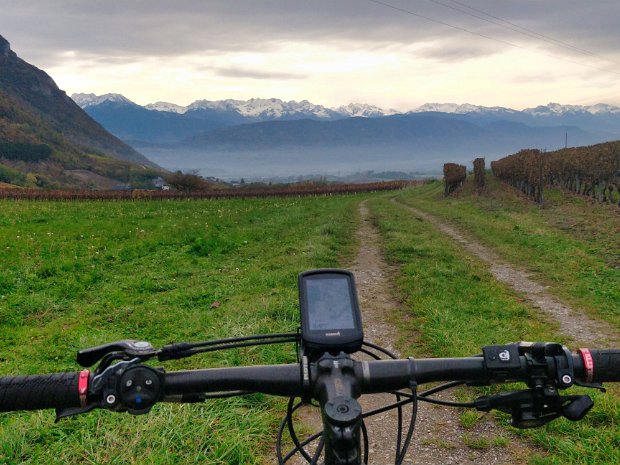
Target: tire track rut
(573, 323)
(439, 438)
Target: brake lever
(533, 408)
(97, 385)
(73, 411)
(598, 386)
(141, 349)
(130, 396)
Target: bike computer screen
(330, 315)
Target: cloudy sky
(391, 53)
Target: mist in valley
(291, 163)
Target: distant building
(160, 183)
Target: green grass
(457, 307)
(570, 245)
(476, 442)
(78, 274)
(469, 418)
(457, 304)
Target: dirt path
(574, 324)
(439, 439)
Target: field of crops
(77, 274)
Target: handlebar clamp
(546, 363)
(501, 361)
(549, 367)
(139, 388)
(127, 386)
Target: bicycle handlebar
(62, 390)
(57, 390)
(606, 365)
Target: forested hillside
(45, 136)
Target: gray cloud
(78, 36)
(450, 51)
(253, 73)
(137, 28)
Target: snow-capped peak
(89, 100)
(446, 108)
(556, 109)
(257, 107)
(254, 109)
(220, 105)
(260, 108)
(603, 108)
(166, 106)
(363, 110)
(459, 109)
(276, 108)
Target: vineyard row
(591, 171)
(40, 194)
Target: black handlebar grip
(57, 390)
(606, 365)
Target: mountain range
(225, 137)
(253, 110)
(169, 123)
(48, 140)
(257, 109)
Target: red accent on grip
(83, 387)
(588, 363)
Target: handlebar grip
(57, 390)
(606, 365)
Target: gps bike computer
(330, 314)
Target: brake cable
(184, 349)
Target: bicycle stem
(337, 390)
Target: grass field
(77, 274)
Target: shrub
(187, 182)
(454, 175)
